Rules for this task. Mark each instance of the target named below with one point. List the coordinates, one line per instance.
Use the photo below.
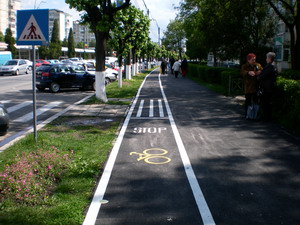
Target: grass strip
(89, 146)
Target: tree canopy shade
(289, 13)
(229, 29)
(99, 14)
(1, 36)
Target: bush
(287, 102)
(291, 74)
(32, 176)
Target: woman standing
(184, 67)
(250, 71)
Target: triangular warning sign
(32, 31)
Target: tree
(71, 44)
(289, 13)
(1, 36)
(10, 41)
(229, 29)
(99, 15)
(64, 43)
(174, 37)
(55, 44)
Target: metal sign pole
(34, 94)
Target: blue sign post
(33, 29)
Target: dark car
(58, 76)
(4, 120)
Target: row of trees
(230, 29)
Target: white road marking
(94, 208)
(29, 116)
(151, 109)
(197, 192)
(139, 113)
(161, 110)
(5, 101)
(19, 106)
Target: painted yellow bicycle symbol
(153, 156)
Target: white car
(14, 67)
(110, 74)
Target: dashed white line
(29, 116)
(19, 106)
(139, 113)
(160, 106)
(151, 109)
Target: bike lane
(148, 178)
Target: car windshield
(11, 63)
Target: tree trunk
(120, 74)
(100, 65)
(128, 66)
(297, 41)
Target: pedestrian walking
(176, 68)
(163, 66)
(184, 67)
(172, 61)
(267, 82)
(249, 72)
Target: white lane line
(19, 106)
(5, 101)
(94, 208)
(29, 116)
(197, 192)
(139, 113)
(151, 110)
(161, 110)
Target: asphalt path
(218, 168)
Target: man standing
(267, 80)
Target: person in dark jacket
(184, 67)
(267, 82)
(172, 61)
(163, 66)
(249, 72)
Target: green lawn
(88, 146)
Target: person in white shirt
(176, 68)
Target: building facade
(8, 15)
(64, 23)
(82, 33)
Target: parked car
(14, 67)
(58, 76)
(29, 64)
(4, 120)
(110, 74)
(53, 61)
(39, 62)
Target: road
(186, 156)
(16, 95)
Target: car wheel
(27, 71)
(54, 87)
(17, 73)
(107, 80)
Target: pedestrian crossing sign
(33, 27)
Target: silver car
(14, 67)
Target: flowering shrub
(33, 175)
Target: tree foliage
(289, 13)
(229, 29)
(1, 36)
(10, 41)
(71, 44)
(174, 37)
(131, 31)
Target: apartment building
(82, 33)
(8, 9)
(64, 23)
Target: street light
(39, 4)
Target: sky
(161, 11)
